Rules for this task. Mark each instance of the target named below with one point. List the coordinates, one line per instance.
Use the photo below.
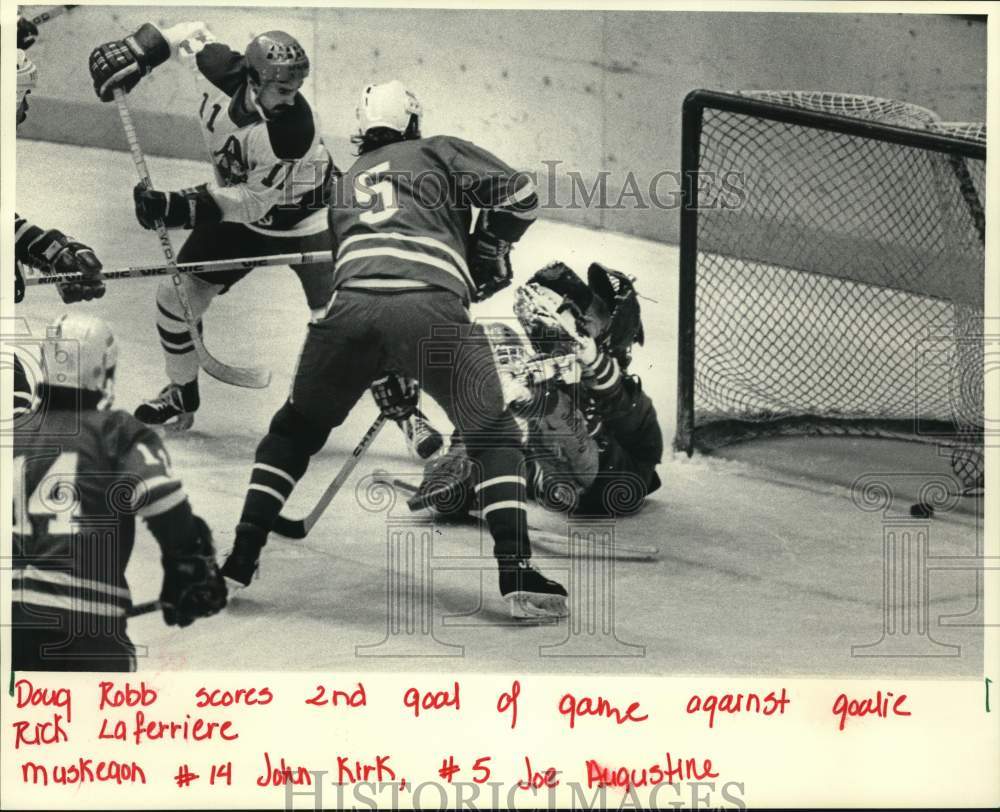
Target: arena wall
(589, 100)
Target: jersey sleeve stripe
(64, 579)
(69, 603)
(519, 196)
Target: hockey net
(832, 272)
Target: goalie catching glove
(192, 584)
(184, 209)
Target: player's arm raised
(192, 586)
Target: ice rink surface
(767, 565)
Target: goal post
(831, 272)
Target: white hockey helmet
(80, 352)
(27, 76)
(388, 105)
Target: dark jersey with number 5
(79, 480)
(404, 211)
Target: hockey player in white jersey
(272, 179)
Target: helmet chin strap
(254, 96)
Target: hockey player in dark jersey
(406, 271)
(271, 187)
(50, 251)
(590, 433)
(81, 474)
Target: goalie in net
(590, 434)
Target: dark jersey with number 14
(80, 478)
(404, 211)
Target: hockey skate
(243, 560)
(529, 593)
(173, 408)
(422, 439)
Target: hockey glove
(396, 396)
(489, 263)
(184, 209)
(27, 33)
(53, 252)
(122, 63)
(193, 587)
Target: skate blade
(180, 423)
(532, 606)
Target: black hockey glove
(489, 263)
(396, 396)
(27, 33)
(193, 587)
(53, 252)
(184, 209)
(122, 63)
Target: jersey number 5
(377, 197)
(53, 505)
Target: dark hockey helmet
(275, 56)
(624, 322)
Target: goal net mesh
(839, 280)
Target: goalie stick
(299, 528)
(250, 377)
(640, 552)
(213, 266)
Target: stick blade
(290, 528)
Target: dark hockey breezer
(81, 474)
(406, 271)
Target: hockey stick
(250, 377)
(642, 552)
(214, 266)
(49, 14)
(299, 528)
(143, 608)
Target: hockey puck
(921, 510)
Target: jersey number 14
(53, 505)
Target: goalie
(592, 440)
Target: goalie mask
(607, 306)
